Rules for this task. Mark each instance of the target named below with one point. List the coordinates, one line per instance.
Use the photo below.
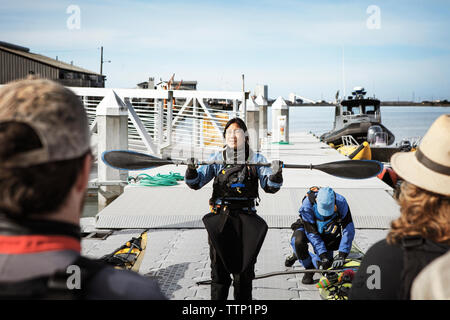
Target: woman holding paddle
(235, 231)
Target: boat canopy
(363, 102)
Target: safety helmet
(325, 202)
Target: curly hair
(423, 213)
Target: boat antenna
(343, 71)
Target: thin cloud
(292, 46)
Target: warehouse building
(17, 62)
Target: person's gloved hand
(339, 261)
(297, 224)
(325, 263)
(191, 171)
(192, 163)
(277, 168)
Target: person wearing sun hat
(429, 167)
(422, 232)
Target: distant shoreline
(414, 104)
(382, 104)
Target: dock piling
(112, 125)
(280, 121)
(262, 102)
(252, 122)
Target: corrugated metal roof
(48, 61)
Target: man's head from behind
(44, 150)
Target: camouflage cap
(53, 112)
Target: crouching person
(325, 222)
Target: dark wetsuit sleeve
(348, 228)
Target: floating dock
(177, 253)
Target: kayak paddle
(285, 272)
(350, 169)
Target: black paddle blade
(130, 160)
(351, 169)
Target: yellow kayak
(357, 152)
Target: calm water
(403, 122)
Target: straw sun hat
(428, 167)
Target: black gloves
(339, 261)
(324, 263)
(297, 224)
(191, 171)
(277, 168)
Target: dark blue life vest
(236, 182)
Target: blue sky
(292, 46)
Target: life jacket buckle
(412, 241)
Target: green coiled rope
(146, 180)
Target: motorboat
(354, 116)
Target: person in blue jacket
(235, 231)
(325, 222)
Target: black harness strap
(417, 254)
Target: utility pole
(102, 61)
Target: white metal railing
(348, 141)
(159, 120)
